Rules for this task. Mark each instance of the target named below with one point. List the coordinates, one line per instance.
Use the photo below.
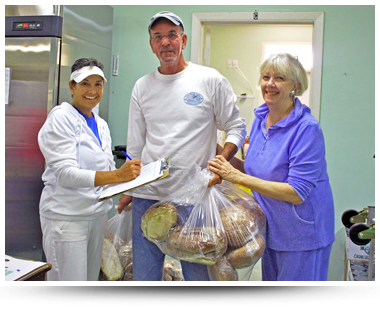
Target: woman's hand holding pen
(129, 170)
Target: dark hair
(85, 62)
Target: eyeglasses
(171, 36)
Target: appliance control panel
(33, 26)
(22, 26)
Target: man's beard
(172, 60)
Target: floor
(256, 272)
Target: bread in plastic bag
(245, 225)
(117, 256)
(172, 270)
(116, 262)
(222, 270)
(110, 265)
(235, 193)
(198, 234)
(158, 220)
(220, 226)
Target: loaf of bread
(239, 223)
(236, 194)
(158, 220)
(201, 245)
(115, 240)
(222, 270)
(171, 273)
(127, 277)
(259, 213)
(125, 255)
(200, 258)
(110, 265)
(199, 240)
(248, 254)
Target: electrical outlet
(234, 63)
(229, 64)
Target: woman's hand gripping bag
(244, 224)
(186, 225)
(116, 262)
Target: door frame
(200, 20)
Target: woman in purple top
(286, 170)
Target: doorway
(201, 30)
(237, 51)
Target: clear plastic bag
(172, 270)
(186, 225)
(117, 263)
(217, 226)
(244, 222)
(117, 249)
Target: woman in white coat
(76, 144)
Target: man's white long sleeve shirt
(177, 116)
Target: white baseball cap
(80, 74)
(175, 19)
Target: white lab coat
(73, 155)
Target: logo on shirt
(193, 98)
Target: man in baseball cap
(175, 112)
(175, 19)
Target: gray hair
(290, 67)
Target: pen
(127, 155)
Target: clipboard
(20, 269)
(149, 173)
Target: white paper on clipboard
(149, 173)
(16, 268)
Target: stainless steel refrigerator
(41, 44)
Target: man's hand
(124, 203)
(216, 179)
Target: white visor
(82, 73)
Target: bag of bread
(117, 256)
(172, 270)
(186, 225)
(116, 262)
(220, 226)
(244, 223)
